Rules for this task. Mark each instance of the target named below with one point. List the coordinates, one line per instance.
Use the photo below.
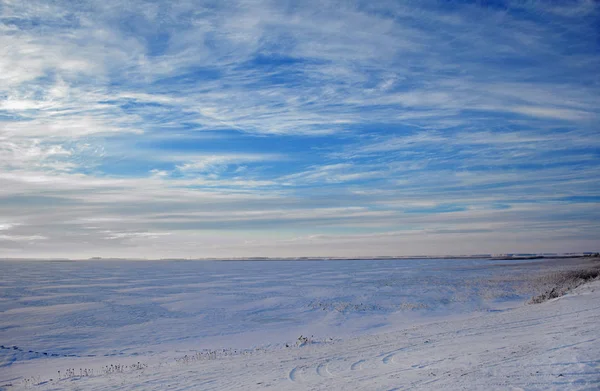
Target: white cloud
(22, 238)
(557, 113)
(208, 163)
(326, 123)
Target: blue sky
(276, 128)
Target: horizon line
(500, 256)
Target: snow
(381, 325)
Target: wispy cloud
(335, 128)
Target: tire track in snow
(323, 369)
(357, 365)
(389, 359)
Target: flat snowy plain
(376, 325)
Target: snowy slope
(550, 346)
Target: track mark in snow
(571, 345)
(292, 374)
(323, 369)
(389, 359)
(422, 365)
(357, 365)
(327, 370)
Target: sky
(193, 129)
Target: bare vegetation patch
(214, 354)
(341, 306)
(565, 281)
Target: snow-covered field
(405, 324)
